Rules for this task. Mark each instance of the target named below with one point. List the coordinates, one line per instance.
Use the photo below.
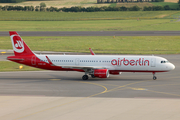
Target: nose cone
(171, 67)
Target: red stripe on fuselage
(34, 61)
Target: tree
(98, 1)
(134, 8)
(149, 8)
(42, 5)
(37, 8)
(159, 0)
(123, 8)
(32, 8)
(166, 7)
(157, 8)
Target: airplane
(99, 66)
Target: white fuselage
(129, 63)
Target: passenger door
(153, 62)
(77, 61)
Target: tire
(154, 77)
(85, 77)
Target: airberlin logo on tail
(132, 62)
(18, 45)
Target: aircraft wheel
(154, 77)
(85, 77)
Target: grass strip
(93, 25)
(102, 44)
(12, 66)
(70, 16)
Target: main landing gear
(154, 77)
(88, 72)
(85, 77)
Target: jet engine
(101, 73)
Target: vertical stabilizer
(19, 46)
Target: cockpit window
(164, 61)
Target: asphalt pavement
(95, 33)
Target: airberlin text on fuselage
(132, 62)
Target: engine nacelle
(101, 73)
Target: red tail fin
(19, 46)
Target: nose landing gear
(154, 77)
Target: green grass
(70, 16)
(12, 66)
(92, 25)
(113, 4)
(101, 44)
(95, 21)
(171, 4)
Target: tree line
(83, 9)
(98, 1)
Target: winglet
(49, 61)
(92, 53)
